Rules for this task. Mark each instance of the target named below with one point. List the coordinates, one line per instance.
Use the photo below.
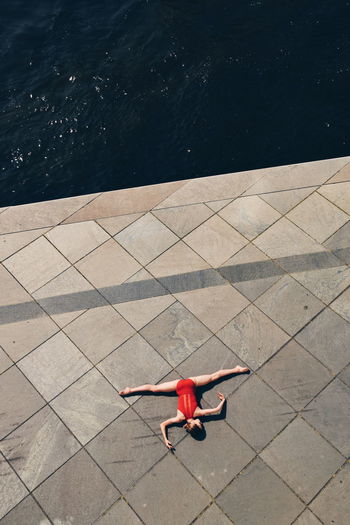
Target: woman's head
(193, 426)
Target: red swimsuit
(187, 403)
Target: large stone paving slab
(327, 338)
(54, 365)
(126, 450)
(133, 363)
(12, 489)
(295, 374)
(87, 406)
(175, 333)
(257, 413)
(253, 336)
(213, 515)
(329, 413)
(121, 513)
(257, 496)
(38, 447)
(28, 512)
(289, 304)
(156, 505)
(292, 455)
(18, 400)
(216, 460)
(76, 493)
(98, 332)
(332, 505)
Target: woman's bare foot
(125, 392)
(242, 369)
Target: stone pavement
(150, 284)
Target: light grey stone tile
(295, 375)
(154, 503)
(251, 272)
(218, 187)
(133, 363)
(339, 194)
(345, 375)
(284, 201)
(257, 412)
(285, 239)
(140, 285)
(23, 327)
(88, 405)
(342, 305)
(140, 312)
(327, 338)
(28, 512)
(183, 219)
(108, 265)
(41, 214)
(339, 243)
(5, 361)
(211, 461)
(121, 513)
(307, 518)
(36, 264)
(318, 217)
(218, 205)
(54, 365)
(99, 331)
(258, 497)
(11, 488)
(332, 505)
(179, 259)
(292, 455)
(297, 175)
(18, 400)
(126, 450)
(325, 283)
(175, 333)
(123, 202)
(76, 493)
(213, 515)
(67, 296)
(249, 215)
(329, 413)
(214, 306)
(342, 175)
(23, 324)
(146, 238)
(289, 304)
(77, 239)
(210, 357)
(154, 409)
(114, 225)
(215, 241)
(12, 242)
(38, 447)
(253, 336)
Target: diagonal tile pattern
(153, 284)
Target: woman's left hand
(220, 396)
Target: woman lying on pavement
(187, 408)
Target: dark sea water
(99, 95)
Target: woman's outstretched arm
(208, 411)
(163, 427)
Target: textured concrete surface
(154, 284)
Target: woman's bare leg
(209, 378)
(169, 386)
